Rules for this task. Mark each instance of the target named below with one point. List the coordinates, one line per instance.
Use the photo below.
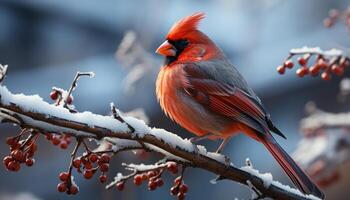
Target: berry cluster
(22, 151)
(67, 185)
(57, 95)
(87, 162)
(324, 63)
(334, 15)
(179, 189)
(61, 140)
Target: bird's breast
(182, 108)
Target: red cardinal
(202, 91)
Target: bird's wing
(224, 98)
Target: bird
(199, 88)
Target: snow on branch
(62, 125)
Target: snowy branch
(117, 133)
(314, 61)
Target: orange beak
(166, 49)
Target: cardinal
(201, 90)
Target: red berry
(159, 182)
(181, 196)
(17, 155)
(70, 100)
(172, 167)
(302, 71)
(326, 76)
(7, 160)
(76, 163)
(74, 189)
(120, 186)
(103, 178)
(105, 158)
(177, 181)
(48, 136)
(150, 174)
(144, 177)
(93, 157)
(64, 176)
(183, 188)
(88, 165)
(30, 162)
(13, 166)
(10, 141)
(321, 63)
(54, 95)
(174, 190)
(289, 64)
(63, 145)
(104, 167)
(138, 180)
(152, 185)
(314, 70)
(302, 61)
(281, 69)
(61, 187)
(88, 174)
(336, 69)
(55, 140)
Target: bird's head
(185, 42)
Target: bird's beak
(166, 49)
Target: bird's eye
(179, 44)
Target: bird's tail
(294, 172)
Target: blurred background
(46, 42)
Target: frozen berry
(120, 186)
(172, 167)
(159, 182)
(54, 95)
(17, 154)
(326, 76)
(7, 160)
(138, 180)
(61, 187)
(88, 174)
(103, 178)
(63, 145)
(281, 69)
(30, 162)
(181, 196)
(152, 185)
(174, 190)
(289, 64)
(76, 163)
(183, 188)
(105, 158)
(74, 189)
(64, 176)
(104, 167)
(93, 157)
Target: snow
(35, 103)
(317, 50)
(266, 177)
(294, 191)
(268, 181)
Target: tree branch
(33, 112)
